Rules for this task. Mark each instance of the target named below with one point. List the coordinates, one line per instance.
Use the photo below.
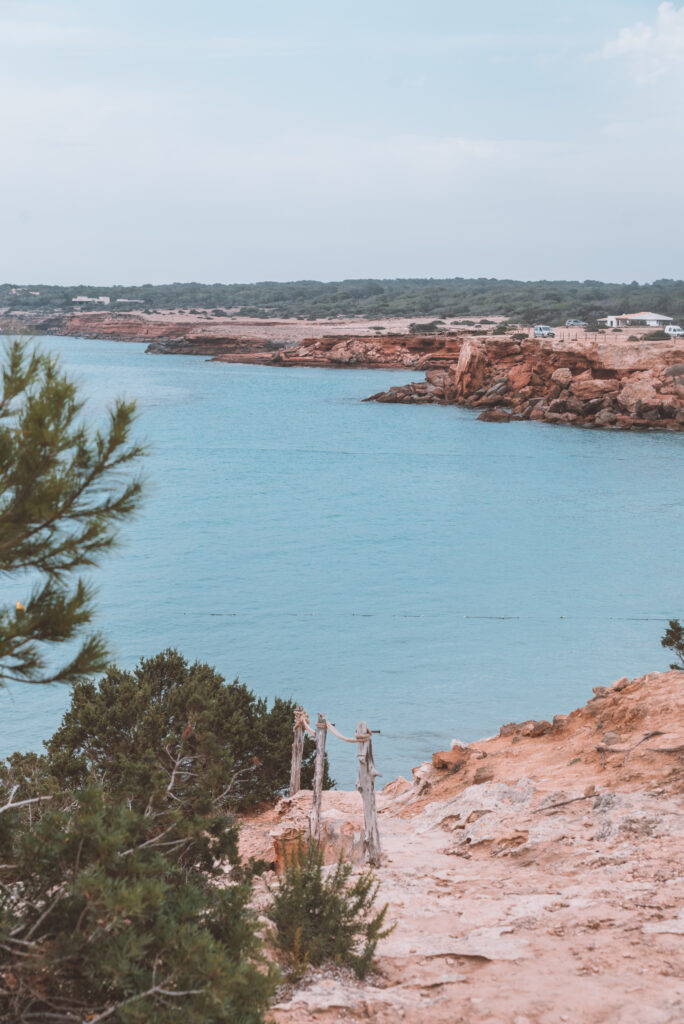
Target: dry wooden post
(297, 750)
(321, 734)
(366, 787)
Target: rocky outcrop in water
(614, 384)
(612, 381)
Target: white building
(635, 320)
(102, 299)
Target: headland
(621, 379)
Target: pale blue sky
(217, 141)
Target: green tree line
(520, 301)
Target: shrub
(429, 328)
(326, 919)
(674, 640)
(100, 919)
(519, 337)
(656, 336)
(134, 731)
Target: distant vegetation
(524, 302)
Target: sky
(148, 141)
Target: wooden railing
(365, 783)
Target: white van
(544, 331)
(674, 329)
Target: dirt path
(511, 909)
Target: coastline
(611, 381)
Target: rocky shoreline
(621, 385)
(610, 381)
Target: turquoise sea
(406, 565)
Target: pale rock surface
(552, 892)
(636, 393)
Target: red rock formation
(617, 384)
(610, 381)
(390, 351)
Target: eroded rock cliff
(618, 384)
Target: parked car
(674, 329)
(544, 331)
(576, 323)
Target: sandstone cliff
(617, 383)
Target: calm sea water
(409, 566)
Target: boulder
(495, 415)
(519, 377)
(451, 760)
(534, 728)
(605, 418)
(540, 728)
(459, 745)
(468, 374)
(636, 394)
(586, 387)
(562, 376)
(591, 407)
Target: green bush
(674, 640)
(100, 919)
(430, 328)
(114, 899)
(321, 919)
(133, 731)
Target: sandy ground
(511, 904)
(288, 331)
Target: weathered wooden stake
(366, 787)
(321, 734)
(297, 751)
